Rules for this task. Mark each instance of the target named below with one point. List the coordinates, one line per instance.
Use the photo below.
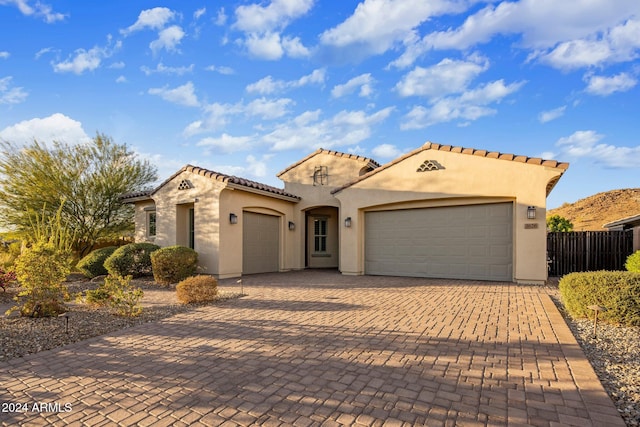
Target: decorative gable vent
(320, 175)
(185, 184)
(429, 165)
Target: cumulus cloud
(182, 95)
(226, 143)
(364, 82)
(268, 85)
(9, 94)
(38, 10)
(564, 35)
(153, 19)
(263, 26)
(4, 54)
(269, 109)
(448, 76)
(585, 144)
(221, 17)
(199, 13)
(56, 127)
(378, 25)
(470, 105)
(168, 39)
(85, 60)
(604, 86)
(386, 151)
(547, 116)
(221, 69)
(308, 131)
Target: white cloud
(603, 86)
(11, 95)
(547, 116)
(585, 144)
(86, 60)
(378, 25)
(263, 26)
(221, 17)
(363, 81)
(154, 19)
(4, 54)
(199, 13)
(470, 105)
(183, 95)
(163, 69)
(216, 116)
(308, 131)
(255, 18)
(386, 151)
(168, 39)
(56, 127)
(563, 34)
(269, 108)
(121, 79)
(43, 51)
(40, 10)
(268, 85)
(226, 143)
(221, 69)
(117, 65)
(446, 77)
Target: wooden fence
(588, 251)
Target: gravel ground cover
(614, 352)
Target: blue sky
(247, 88)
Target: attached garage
(260, 243)
(457, 242)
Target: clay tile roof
(463, 150)
(135, 196)
(239, 181)
(371, 162)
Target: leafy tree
(558, 223)
(86, 179)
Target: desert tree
(84, 180)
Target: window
(151, 223)
(320, 235)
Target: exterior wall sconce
(292, 225)
(347, 222)
(233, 218)
(531, 212)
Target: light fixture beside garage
(531, 212)
(347, 222)
(292, 225)
(233, 218)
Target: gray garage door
(465, 242)
(260, 243)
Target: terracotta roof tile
(334, 153)
(463, 150)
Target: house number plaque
(531, 226)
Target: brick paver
(316, 348)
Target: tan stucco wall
(236, 201)
(465, 179)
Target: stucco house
(628, 223)
(438, 211)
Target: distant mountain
(592, 212)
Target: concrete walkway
(317, 348)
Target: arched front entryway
(321, 237)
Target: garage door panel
(468, 242)
(260, 243)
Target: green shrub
(123, 299)
(41, 271)
(618, 291)
(633, 262)
(133, 260)
(197, 289)
(173, 264)
(93, 264)
(97, 297)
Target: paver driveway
(318, 348)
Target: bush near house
(93, 264)
(633, 262)
(197, 289)
(173, 264)
(133, 260)
(617, 291)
